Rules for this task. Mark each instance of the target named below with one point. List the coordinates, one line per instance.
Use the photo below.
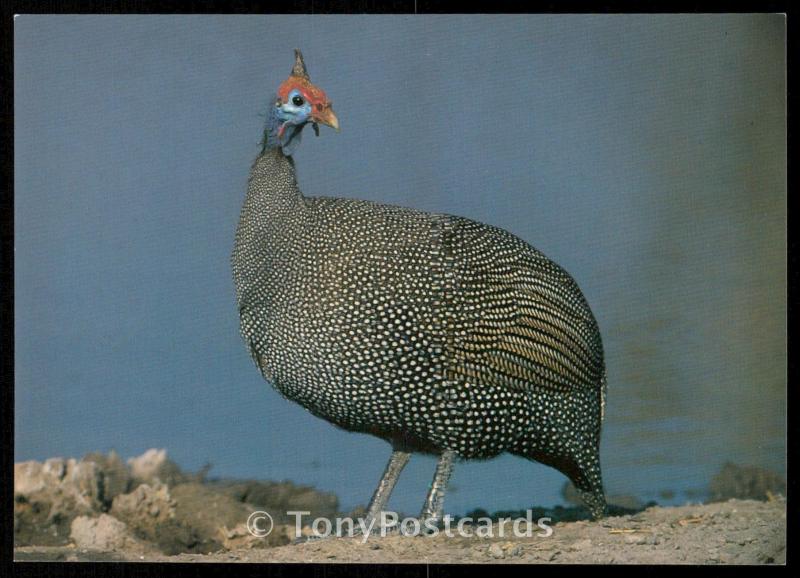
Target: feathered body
(432, 331)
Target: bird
(436, 333)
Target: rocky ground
(100, 508)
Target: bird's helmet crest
(299, 79)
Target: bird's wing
(523, 322)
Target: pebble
(496, 551)
(635, 539)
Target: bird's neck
(271, 132)
(280, 135)
(271, 219)
(272, 190)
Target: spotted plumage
(437, 333)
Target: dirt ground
(100, 507)
(730, 532)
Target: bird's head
(297, 103)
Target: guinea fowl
(437, 333)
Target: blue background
(645, 154)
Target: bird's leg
(397, 462)
(372, 519)
(433, 508)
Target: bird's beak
(326, 116)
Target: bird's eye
(298, 101)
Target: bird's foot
(372, 528)
(430, 526)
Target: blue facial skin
(292, 117)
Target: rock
(496, 551)
(49, 495)
(29, 478)
(206, 510)
(33, 525)
(150, 513)
(147, 465)
(240, 538)
(59, 480)
(103, 533)
(84, 478)
(185, 517)
(280, 497)
(637, 539)
(154, 466)
(115, 478)
(147, 502)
